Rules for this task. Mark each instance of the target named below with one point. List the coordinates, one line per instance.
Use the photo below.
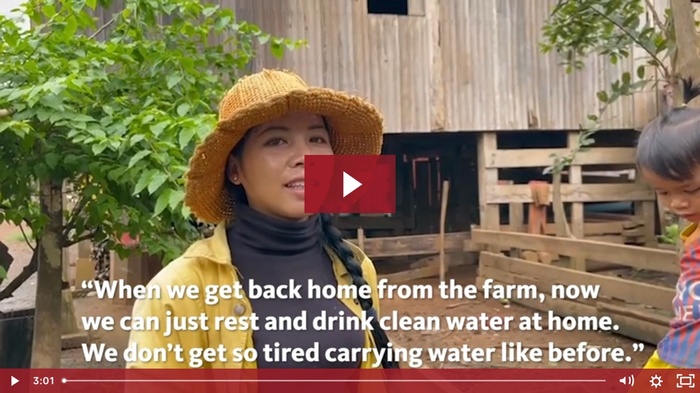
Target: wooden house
(467, 96)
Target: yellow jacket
(206, 263)
(690, 233)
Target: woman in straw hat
(248, 178)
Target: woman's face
(271, 165)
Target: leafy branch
(115, 110)
(577, 29)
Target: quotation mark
(87, 284)
(637, 347)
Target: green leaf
(71, 27)
(626, 78)
(144, 181)
(49, 10)
(183, 109)
(52, 160)
(98, 148)
(277, 50)
(174, 79)
(162, 201)
(83, 118)
(136, 139)
(185, 137)
(641, 70)
(138, 157)
(158, 128)
(3, 273)
(603, 96)
(157, 181)
(176, 197)
(263, 39)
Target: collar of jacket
(216, 249)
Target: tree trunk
(46, 350)
(687, 59)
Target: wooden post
(516, 219)
(576, 222)
(490, 217)
(443, 217)
(361, 238)
(645, 211)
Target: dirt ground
(464, 275)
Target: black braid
(334, 240)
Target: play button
(350, 184)
(13, 381)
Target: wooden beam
(617, 239)
(589, 228)
(431, 270)
(576, 220)
(632, 313)
(415, 245)
(632, 256)
(501, 194)
(641, 330)
(610, 287)
(529, 158)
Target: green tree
(113, 109)
(577, 29)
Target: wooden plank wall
(382, 57)
(639, 306)
(450, 65)
(577, 191)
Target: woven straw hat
(356, 127)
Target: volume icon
(629, 380)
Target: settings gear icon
(656, 381)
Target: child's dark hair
(332, 238)
(669, 146)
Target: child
(668, 158)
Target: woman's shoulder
(180, 271)
(199, 263)
(189, 268)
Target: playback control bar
(365, 381)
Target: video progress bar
(64, 380)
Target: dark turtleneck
(272, 251)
